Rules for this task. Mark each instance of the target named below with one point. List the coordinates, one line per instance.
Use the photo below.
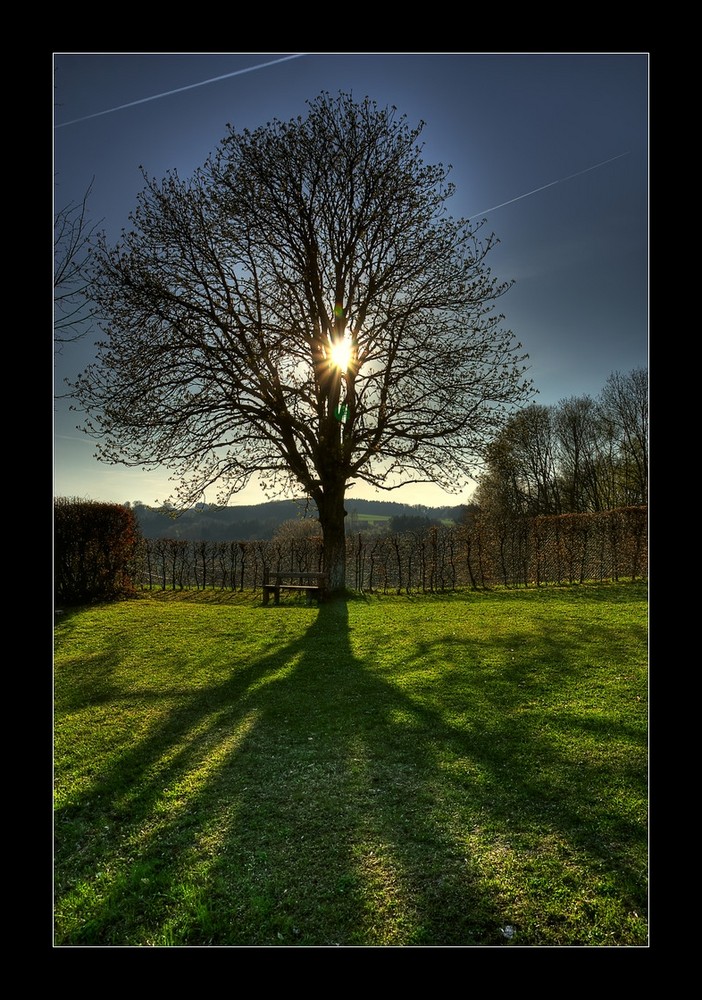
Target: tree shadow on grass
(304, 800)
(562, 748)
(346, 847)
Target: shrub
(95, 545)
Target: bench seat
(309, 583)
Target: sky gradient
(551, 149)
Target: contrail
(178, 90)
(550, 184)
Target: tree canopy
(302, 309)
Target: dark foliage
(95, 545)
(409, 522)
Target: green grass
(466, 769)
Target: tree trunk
(331, 517)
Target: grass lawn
(465, 769)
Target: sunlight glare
(341, 352)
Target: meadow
(462, 769)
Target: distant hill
(207, 522)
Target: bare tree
(582, 451)
(624, 401)
(303, 309)
(73, 237)
(521, 477)
(579, 456)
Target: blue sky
(551, 148)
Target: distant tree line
(581, 455)
(261, 521)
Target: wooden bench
(313, 584)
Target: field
(463, 769)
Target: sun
(340, 352)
